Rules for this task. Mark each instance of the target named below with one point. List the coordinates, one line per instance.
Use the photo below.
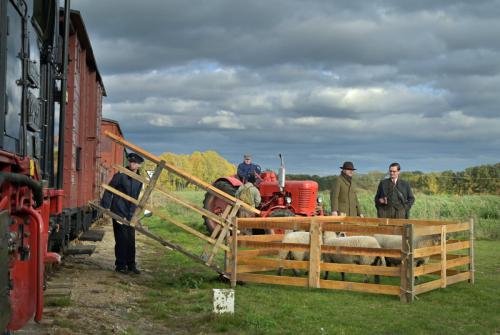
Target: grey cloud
(320, 81)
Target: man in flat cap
(247, 168)
(394, 196)
(343, 196)
(124, 234)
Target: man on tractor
(247, 168)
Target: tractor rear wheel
(215, 204)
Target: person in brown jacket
(343, 195)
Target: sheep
(395, 242)
(294, 237)
(331, 239)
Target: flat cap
(133, 157)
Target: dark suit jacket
(403, 187)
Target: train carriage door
(12, 75)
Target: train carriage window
(44, 17)
(78, 158)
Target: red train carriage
(111, 152)
(40, 208)
(81, 178)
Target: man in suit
(394, 197)
(124, 234)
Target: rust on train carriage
(111, 152)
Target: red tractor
(279, 197)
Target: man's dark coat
(117, 204)
(403, 193)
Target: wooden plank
(234, 252)
(435, 268)
(429, 286)
(428, 268)
(366, 230)
(388, 271)
(205, 255)
(459, 277)
(274, 263)
(463, 226)
(218, 244)
(120, 194)
(472, 269)
(253, 268)
(268, 279)
(443, 256)
(303, 223)
(109, 213)
(324, 249)
(147, 193)
(360, 287)
(448, 256)
(254, 253)
(274, 245)
(262, 238)
(458, 246)
(428, 251)
(315, 254)
(346, 219)
(361, 251)
(407, 265)
(458, 262)
(427, 230)
(131, 174)
(193, 179)
(179, 248)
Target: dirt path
(102, 301)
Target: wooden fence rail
(256, 258)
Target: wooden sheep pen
(253, 257)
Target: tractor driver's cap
(247, 156)
(135, 158)
(348, 166)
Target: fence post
(315, 254)
(407, 260)
(443, 256)
(471, 251)
(234, 251)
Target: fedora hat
(347, 166)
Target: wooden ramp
(214, 243)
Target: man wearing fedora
(394, 196)
(343, 195)
(124, 234)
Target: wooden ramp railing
(213, 243)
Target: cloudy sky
(320, 81)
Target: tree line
(484, 179)
(209, 166)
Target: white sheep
(303, 237)
(331, 239)
(395, 242)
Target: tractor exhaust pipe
(281, 174)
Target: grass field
(180, 293)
